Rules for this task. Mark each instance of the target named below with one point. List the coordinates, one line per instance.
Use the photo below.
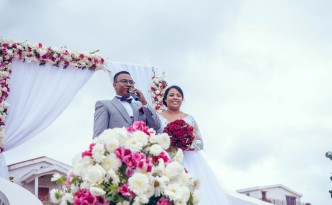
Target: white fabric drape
(38, 95)
(141, 74)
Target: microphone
(133, 94)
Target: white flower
(85, 185)
(195, 198)
(67, 198)
(142, 137)
(174, 192)
(159, 184)
(164, 140)
(141, 199)
(110, 138)
(96, 191)
(74, 188)
(178, 156)
(55, 177)
(133, 144)
(98, 152)
(95, 174)
(138, 183)
(153, 139)
(112, 144)
(81, 166)
(157, 92)
(112, 175)
(156, 149)
(186, 194)
(123, 203)
(174, 171)
(111, 162)
(56, 195)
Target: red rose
(181, 134)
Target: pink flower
(141, 126)
(122, 152)
(163, 201)
(84, 197)
(130, 129)
(40, 45)
(88, 152)
(125, 191)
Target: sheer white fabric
(38, 95)
(210, 191)
(141, 74)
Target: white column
(36, 186)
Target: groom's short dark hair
(119, 73)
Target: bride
(210, 192)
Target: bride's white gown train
(210, 191)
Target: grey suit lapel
(121, 109)
(135, 110)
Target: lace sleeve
(198, 143)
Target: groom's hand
(140, 96)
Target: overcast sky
(256, 76)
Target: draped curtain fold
(38, 95)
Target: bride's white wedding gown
(210, 191)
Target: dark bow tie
(124, 99)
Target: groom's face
(122, 85)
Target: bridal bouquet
(181, 134)
(127, 166)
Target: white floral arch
(38, 83)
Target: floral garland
(10, 50)
(158, 87)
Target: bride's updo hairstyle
(167, 91)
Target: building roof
(36, 161)
(261, 188)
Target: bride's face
(174, 99)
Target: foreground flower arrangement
(12, 50)
(127, 167)
(158, 87)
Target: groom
(123, 110)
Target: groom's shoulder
(103, 102)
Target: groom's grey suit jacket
(112, 114)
